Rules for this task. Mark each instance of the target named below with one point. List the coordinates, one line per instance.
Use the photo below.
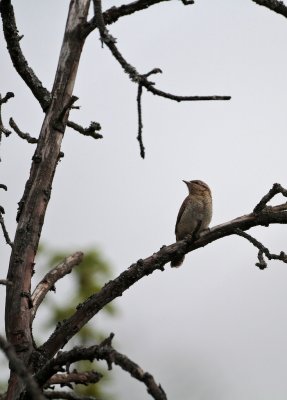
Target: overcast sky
(214, 329)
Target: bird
(194, 214)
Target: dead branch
(262, 250)
(90, 131)
(20, 369)
(135, 76)
(4, 100)
(49, 280)
(106, 352)
(276, 188)
(3, 226)
(277, 6)
(114, 13)
(21, 134)
(157, 261)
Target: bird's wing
(181, 210)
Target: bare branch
(104, 351)
(49, 280)
(277, 6)
(2, 223)
(52, 394)
(8, 96)
(276, 188)
(262, 250)
(21, 134)
(157, 261)
(140, 123)
(19, 61)
(90, 131)
(110, 41)
(114, 13)
(83, 378)
(18, 366)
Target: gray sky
(215, 329)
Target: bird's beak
(186, 182)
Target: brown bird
(194, 215)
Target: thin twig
(21, 134)
(277, 6)
(106, 352)
(114, 13)
(262, 250)
(90, 131)
(18, 366)
(5, 232)
(276, 188)
(140, 123)
(49, 280)
(3, 100)
(134, 75)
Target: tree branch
(18, 366)
(157, 261)
(19, 61)
(262, 250)
(277, 6)
(90, 131)
(3, 100)
(104, 351)
(276, 188)
(49, 280)
(21, 134)
(2, 223)
(134, 75)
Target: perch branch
(277, 6)
(21, 134)
(262, 250)
(49, 280)
(18, 366)
(157, 261)
(106, 352)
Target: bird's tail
(176, 262)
